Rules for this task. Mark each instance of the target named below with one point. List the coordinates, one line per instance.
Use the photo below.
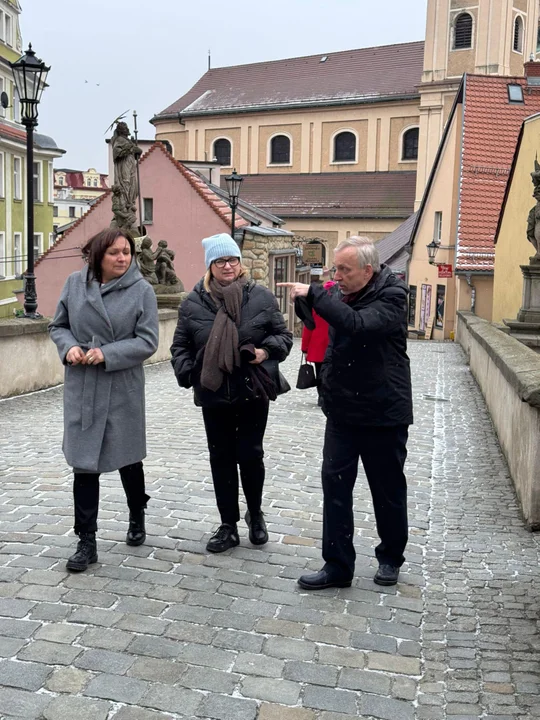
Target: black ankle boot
(136, 533)
(258, 534)
(85, 555)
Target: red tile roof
(333, 195)
(490, 132)
(75, 180)
(12, 133)
(352, 76)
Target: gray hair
(365, 249)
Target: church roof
(342, 78)
(333, 195)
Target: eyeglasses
(233, 262)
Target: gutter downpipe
(473, 292)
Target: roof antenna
(209, 59)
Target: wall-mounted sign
(445, 271)
(312, 253)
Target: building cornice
(299, 105)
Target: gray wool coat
(104, 405)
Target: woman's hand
(260, 356)
(75, 355)
(94, 356)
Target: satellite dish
(4, 100)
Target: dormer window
(463, 32)
(515, 93)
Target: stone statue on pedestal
(533, 221)
(125, 189)
(157, 268)
(147, 261)
(526, 327)
(164, 265)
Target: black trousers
(235, 436)
(86, 495)
(383, 451)
(318, 368)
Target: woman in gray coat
(105, 326)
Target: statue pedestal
(170, 300)
(526, 328)
(530, 309)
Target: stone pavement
(166, 631)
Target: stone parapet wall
(29, 360)
(508, 374)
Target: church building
(344, 143)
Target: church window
(345, 147)
(518, 34)
(463, 32)
(280, 150)
(410, 145)
(222, 151)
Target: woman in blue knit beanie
(229, 341)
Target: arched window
(280, 150)
(409, 149)
(222, 151)
(518, 34)
(463, 32)
(345, 147)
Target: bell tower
(486, 37)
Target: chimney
(532, 72)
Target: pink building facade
(184, 210)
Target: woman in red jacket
(315, 341)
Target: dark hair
(96, 247)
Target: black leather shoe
(386, 575)
(321, 580)
(258, 534)
(136, 534)
(225, 537)
(85, 555)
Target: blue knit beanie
(219, 246)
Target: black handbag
(306, 376)
(280, 381)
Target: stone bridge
(166, 631)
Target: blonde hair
(208, 276)
(365, 249)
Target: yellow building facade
(512, 248)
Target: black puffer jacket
(262, 324)
(366, 377)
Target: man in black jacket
(367, 400)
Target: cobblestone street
(166, 631)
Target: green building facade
(13, 168)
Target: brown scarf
(221, 354)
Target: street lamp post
(30, 75)
(432, 249)
(233, 188)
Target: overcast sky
(108, 56)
